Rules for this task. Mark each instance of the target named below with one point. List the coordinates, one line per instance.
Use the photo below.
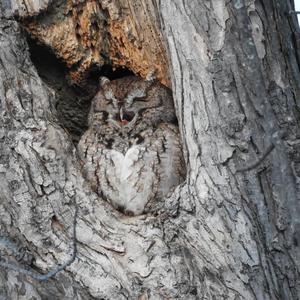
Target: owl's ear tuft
(103, 81)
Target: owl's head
(129, 101)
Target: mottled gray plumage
(131, 152)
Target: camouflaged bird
(131, 152)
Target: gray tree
(231, 231)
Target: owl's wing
(89, 151)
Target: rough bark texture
(223, 234)
(89, 34)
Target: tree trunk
(231, 231)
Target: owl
(131, 153)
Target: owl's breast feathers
(134, 172)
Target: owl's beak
(126, 116)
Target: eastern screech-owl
(131, 152)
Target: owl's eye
(140, 99)
(108, 101)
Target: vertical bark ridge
(226, 70)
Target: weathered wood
(222, 235)
(118, 257)
(235, 80)
(24, 8)
(89, 34)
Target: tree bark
(232, 231)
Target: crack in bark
(54, 271)
(276, 137)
